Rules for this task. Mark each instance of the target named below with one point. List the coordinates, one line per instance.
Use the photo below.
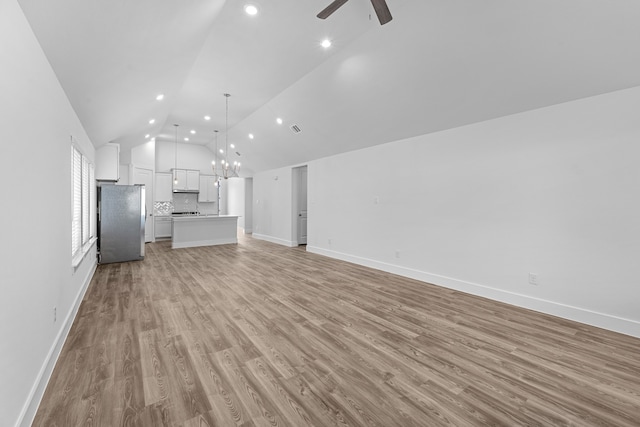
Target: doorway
(145, 176)
(299, 196)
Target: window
(83, 205)
(93, 201)
(85, 200)
(76, 203)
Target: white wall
(190, 156)
(124, 175)
(236, 199)
(248, 205)
(35, 267)
(272, 206)
(240, 202)
(144, 155)
(552, 191)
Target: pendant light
(213, 162)
(175, 167)
(216, 184)
(228, 172)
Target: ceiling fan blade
(382, 10)
(331, 8)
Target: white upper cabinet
(208, 189)
(180, 179)
(193, 180)
(108, 163)
(188, 180)
(163, 189)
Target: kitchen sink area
(188, 223)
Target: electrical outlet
(397, 254)
(533, 279)
(376, 200)
(55, 314)
(330, 241)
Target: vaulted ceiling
(438, 64)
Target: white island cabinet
(203, 230)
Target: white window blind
(83, 204)
(76, 203)
(85, 200)
(92, 201)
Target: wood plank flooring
(257, 334)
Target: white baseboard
(589, 317)
(275, 240)
(42, 380)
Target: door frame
(297, 202)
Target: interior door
(145, 176)
(302, 205)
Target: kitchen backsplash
(162, 208)
(185, 202)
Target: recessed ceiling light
(279, 120)
(160, 97)
(221, 151)
(232, 146)
(186, 139)
(147, 136)
(152, 121)
(250, 9)
(207, 117)
(326, 43)
(193, 132)
(250, 136)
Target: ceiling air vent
(295, 129)
(238, 153)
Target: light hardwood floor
(257, 334)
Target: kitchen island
(203, 230)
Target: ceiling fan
(380, 6)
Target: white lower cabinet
(162, 227)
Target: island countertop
(203, 230)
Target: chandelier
(225, 169)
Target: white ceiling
(439, 64)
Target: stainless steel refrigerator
(121, 220)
